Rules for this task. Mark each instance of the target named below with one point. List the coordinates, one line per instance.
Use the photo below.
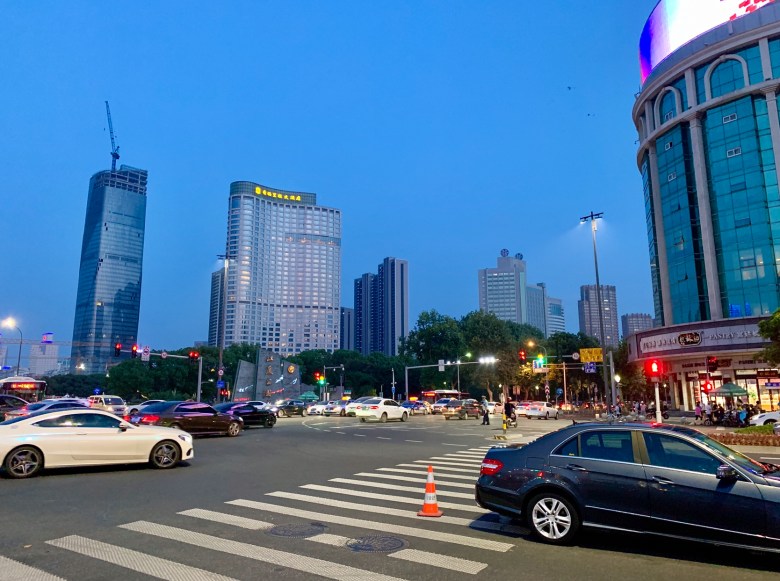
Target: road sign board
(575, 356)
(546, 390)
(559, 391)
(220, 384)
(591, 355)
(221, 372)
(772, 385)
(441, 364)
(145, 353)
(539, 366)
(393, 390)
(164, 354)
(589, 367)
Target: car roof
(62, 412)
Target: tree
(770, 329)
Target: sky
(444, 132)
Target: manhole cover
(376, 544)
(298, 531)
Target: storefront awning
(729, 389)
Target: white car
(108, 403)
(86, 437)
(541, 409)
(439, 406)
(765, 418)
(137, 407)
(317, 408)
(335, 408)
(352, 406)
(380, 409)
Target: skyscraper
(502, 290)
(382, 308)
(216, 305)
(635, 322)
(284, 272)
(556, 320)
(108, 299)
(347, 338)
(588, 307)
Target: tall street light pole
(223, 321)
(10, 323)
(592, 217)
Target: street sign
(539, 366)
(220, 384)
(591, 355)
(546, 390)
(96, 391)
(145, 353)
(164, 354)
(221, 372)
(393, 390)
(575, 356)
(441, 364)
(772, 385)
(589, 367)
(559, 391)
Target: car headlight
(185, 437)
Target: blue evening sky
(444, 131)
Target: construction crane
(114, 146)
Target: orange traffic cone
(430, 506)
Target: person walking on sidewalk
(485, 412)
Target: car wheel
(552, 518)
(343, 413)
(556, 415)
(769, 422)
(363, 419)
(446, 417)
(304, 413)
(23, 462)
(547, 416)
(234, 429)
(165, 454)
(383, 419)
(282, 413)
(404, 417)
(270, 421)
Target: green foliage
(74, 385)
(770, 329)
(756, 430)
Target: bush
(756, 430)
(749, 439)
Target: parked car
(41, 406)
(10, 403)
(316, 408)
(108, 403)
(335, 408)
(381, 409)
(646, 478)
(250, 414)
(191, 416)
(264, 405)
(136, 407)
(542, 409)
(521, 409)
(352, 406)
(437, 407)
(462, 409)
(765, 418)
(292, 407)
(415, 407)
(86, 437)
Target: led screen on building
(675, 22)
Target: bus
(27, 388)
(437, 394)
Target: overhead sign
(145, 353)
(164, 354)
(589, 367)
(591, 355)
(540, 367)
(277, 195)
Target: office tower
(284, 272)
(635, 322)
(709, 147)
(108, 298)
(588, 307)
(347, 335)
(536, 300)
(382, 308)
(502, 290)
(43, 359)
(215, 307)
(556, 321)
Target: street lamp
(592, 217)
(457, 363)
(10, 323)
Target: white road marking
(443, 463)
(228, 519)
(290, 560)
(414, 441)
(443, 561)
(398, 488)
(403, 471)
(467, 454)
(411, 479)
(11, 570)
(764, 458)
(391, 498)
(134, 560)
(460, 460)
(381, 438)
(437, 467)
(443, 537)
(342, 433)
(359, 435)
(459, 445)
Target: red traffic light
(117, 349)
(521, 355)
(194, 355)
(134, 352)
(654, 368)
(712, 363)
(707, 386)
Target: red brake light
(491, 466)
(24, 411)
(126, 418)
(374, 407)
(150, 419)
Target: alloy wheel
(165, 455)
(24, 462)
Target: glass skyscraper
(284, 272)
(382, 308)
(108, 299)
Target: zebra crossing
(382, 503)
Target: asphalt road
(266, 503)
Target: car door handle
(660, 480)
(576, 468)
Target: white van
(108, 403)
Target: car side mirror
(727, 473)
(123, 426)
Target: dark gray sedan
(646, 478)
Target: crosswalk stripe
(443, 561)
(135, 561)
(475, 455)
(303, 563)
(11, 570)
(412, 479)
(403, 513)
(457, 539)
(403, 471)
(476, 461)
(228, 519)
(442, 463)
(424, 466)
(399, 488)
(391, 498)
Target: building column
(690, 88)
(705, 221)
(660, 236)
(774, 125)
(766, 59)
(684, 388)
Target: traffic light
(707, 386)
(134, 352)
(117, 350)
(194, 355)
(317, 376)
(712, 363)
(322, 380)
(540, 359)
(521, 355)
(653, 369)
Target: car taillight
(126, 418)
(491, 466)
(24, 411)
(150, 419)
(374, 407)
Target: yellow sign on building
(591, 355)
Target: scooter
(511, 421)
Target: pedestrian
(697, 411)
(708, 411)
(485, 412)
(642, 408)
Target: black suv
(292, 407)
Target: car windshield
(113, 400)
(374, 400)
(739, 459)
(157, 407)
(444, 401)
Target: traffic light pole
(200, 375)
